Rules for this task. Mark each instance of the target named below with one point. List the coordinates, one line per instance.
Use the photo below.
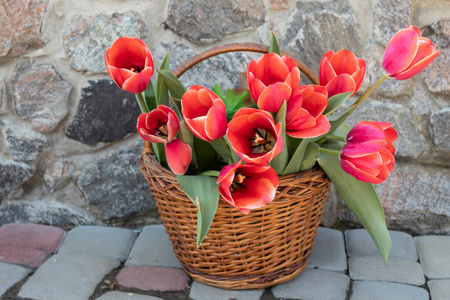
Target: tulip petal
(363, 149)
(216, 122)
(270, 68)
(417, 67)
(344, 62)
(326, 72)
(343, 83)
(138, 82)
(322, 126)
(315, 104)
(273, 96)
(358, 174)
(400, 51)
(365, 131)
(178, 156)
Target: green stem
(329, 151)
(141, 102)
(369, 91)
(335, 138)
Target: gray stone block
(359, 243)
(201, 291)
(153, 248)
(439, 289)
(379, 290)
(396, 270)
(99, 240)
(11, 274)
(328, 251)
(434, 256)
(126, 296)
(314, 285)
(68, 277)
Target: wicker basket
(268, 246)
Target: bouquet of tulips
(237, 145)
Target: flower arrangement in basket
(240, 147)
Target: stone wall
(68, 148)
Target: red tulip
(407, 53)
(130, 64)
(304, 118)
(271, 80)
(254, 136)
(158, 126)
(248, 186)
(204, 113)
(178, 156)
(369, 152)
(341, 72)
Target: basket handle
(235, 47)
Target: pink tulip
(204, 113)
(369, 152)
(341, 72)
(407, 53)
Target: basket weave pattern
(268, 246)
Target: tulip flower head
(158, 126)
(130, 64)
(271, 80)
(304, 118)
(204, 113)
(341, 72)
(179, 156)
(254, 136)
(248, 186)
(369, 152)
(408, 53)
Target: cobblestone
(434, 256)
(200, 291)
(328, 252)
(126, 296)
(380, 290)
(439, 289)
(10, 274)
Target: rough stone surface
(439, 289)
(434, 256)
(12, 176)
(23, 255)
(379, 290)
(114, 185)
(126, 296)
(105, 114)
(414, 197)
(21, 23)
(396, 270)
(317, 27)
(439, 127)
(200, 291)
(67, 276)
(359, 244)
(97, 240)
(437, 74)
(153, 278)
(3, 98)
(153, 248)
(207, 21)
(389, 17)
(37, 236)
(278, 4)
(87, 38)
(314, 285)
(24, 145)
(328, 251)
(58, 171)
(227, 70)
(40, 95)
(45, 213)
(11, 274)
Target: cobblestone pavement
(94, 262)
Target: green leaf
(176, 89)
(150, 96)
(216, 89)
(158, 149)
(186, 136)
(310, 157)
(203, 192)
(206, 155)
(362, 200)
(222, 148)
(335, 102)
(273, 47)
(295, 163)
(162, 91)
(280, 161)
(234, 102)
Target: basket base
(246, 283)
